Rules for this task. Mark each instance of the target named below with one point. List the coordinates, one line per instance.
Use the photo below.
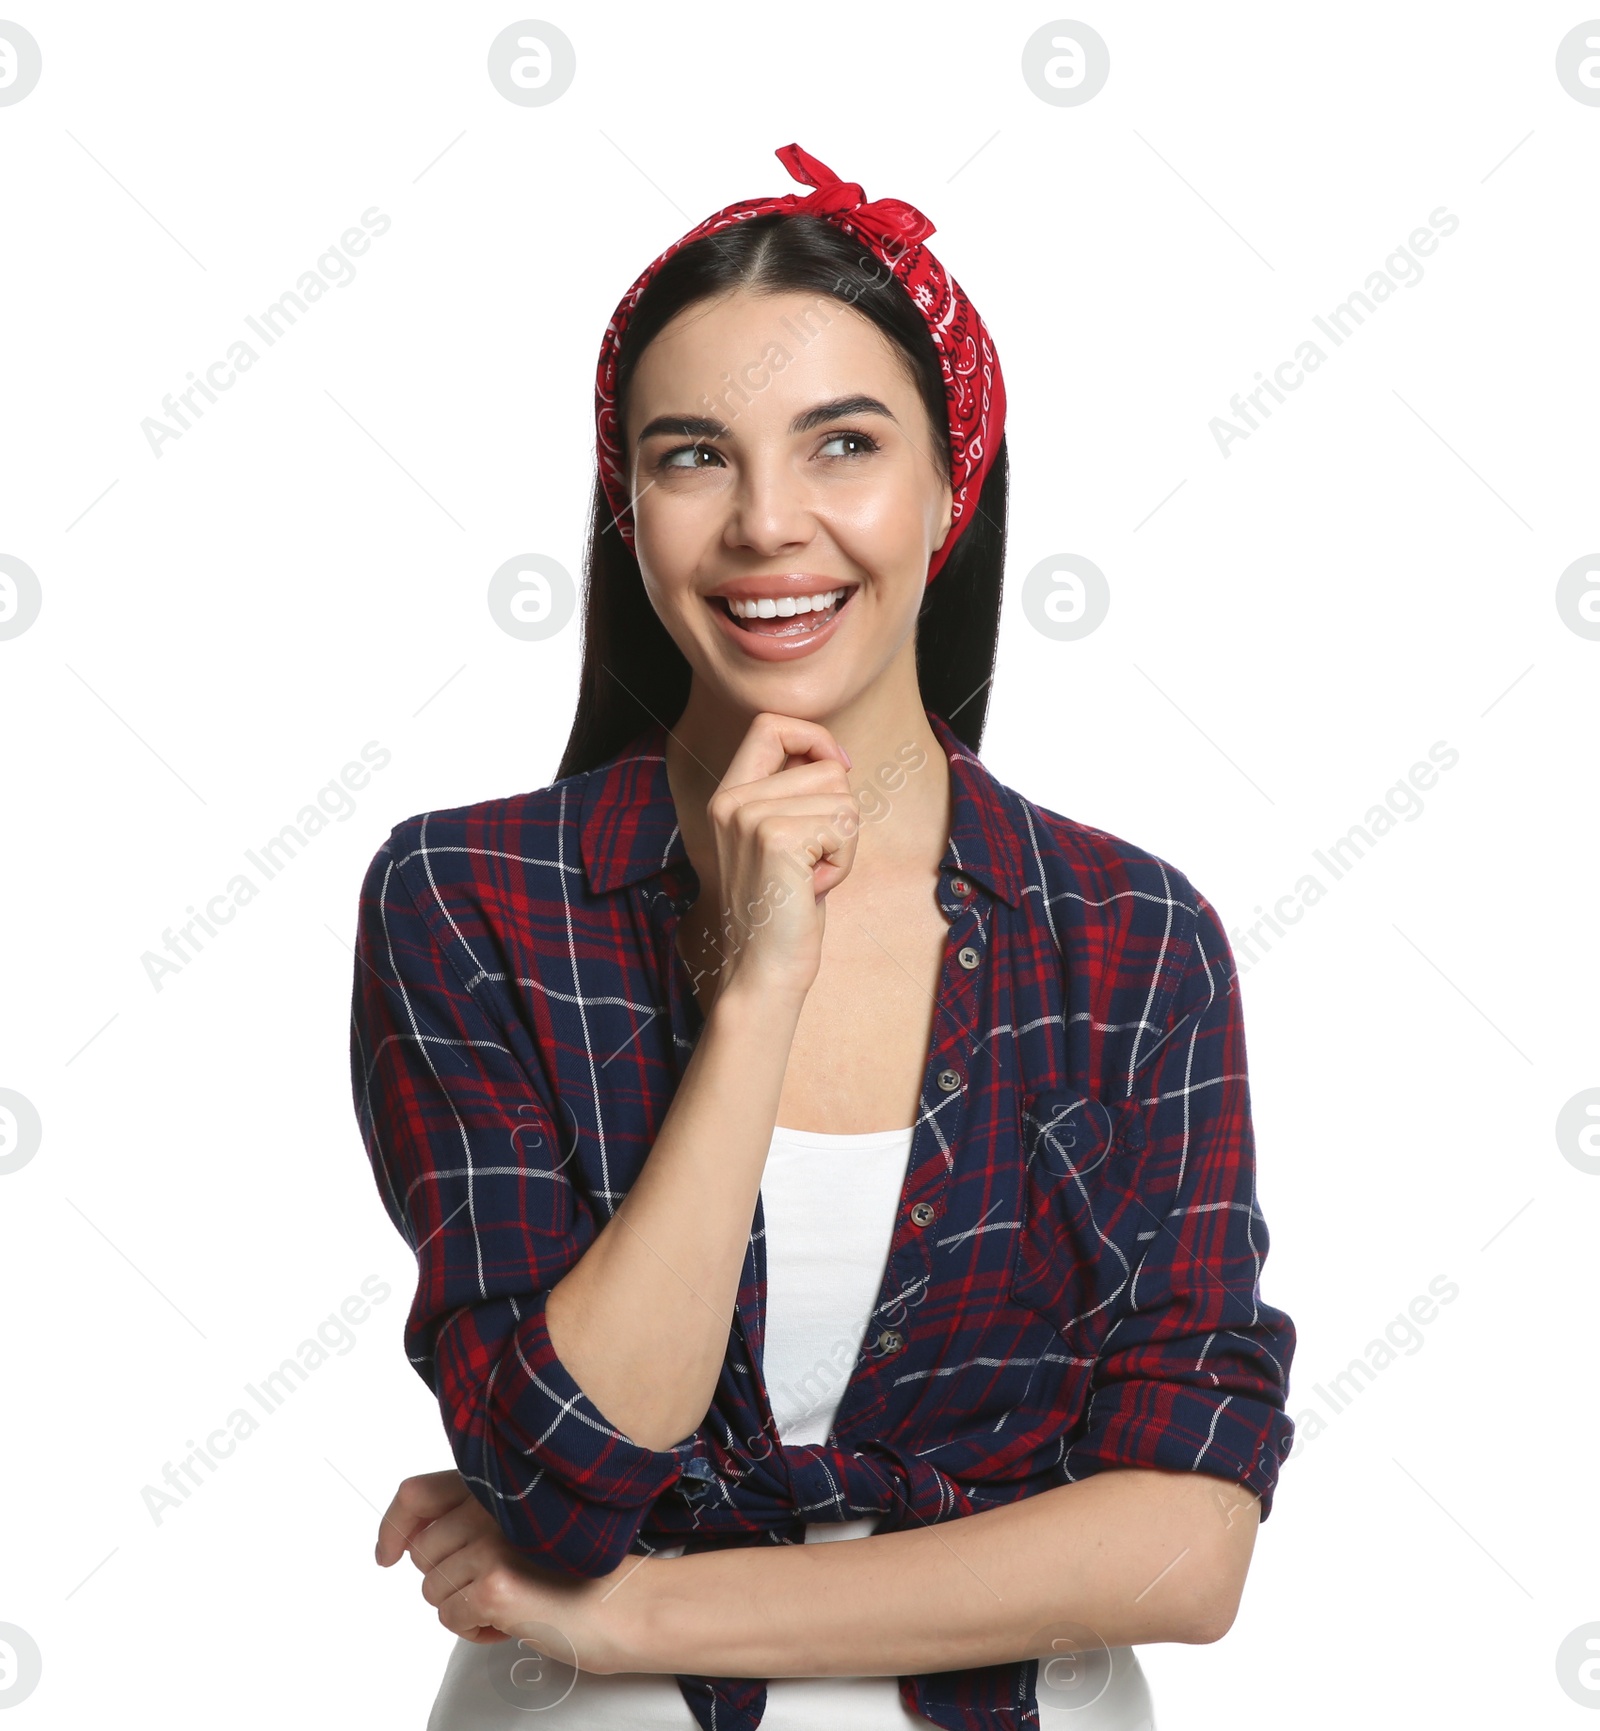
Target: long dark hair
(633, 673)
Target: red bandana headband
(975, 396)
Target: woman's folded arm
(460, 1131)
(1193, 1374)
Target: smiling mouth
(785, 618)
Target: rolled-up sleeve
(460, 1128)
(1194, 1375)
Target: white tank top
(825, 1265)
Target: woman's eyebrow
(707, 427)
(839, 409)
(682, 426)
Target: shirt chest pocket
(1082, 1215)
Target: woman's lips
(799, 636)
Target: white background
(1291, 627)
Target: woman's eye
(868, 443)
(692, 452)
(687, 458)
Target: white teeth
(785, 606)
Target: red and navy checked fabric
(1085, 1295)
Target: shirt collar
(629, 825)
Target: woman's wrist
(635, 1613)
(747, 1001)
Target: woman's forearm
(1130, 1555)
(641, 1321)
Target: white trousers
(498, 1687)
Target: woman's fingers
(419, 1500)
(455, 1574)
(471, 1583)
(823, 774)
(820, 827)
(436, 1543)
(772, 739)
(784, 823)
(457, 1615)
(466, 1562)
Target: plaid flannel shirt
(1072, 1284)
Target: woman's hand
(486, 1590)
(784, 837)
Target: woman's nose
(768, 508)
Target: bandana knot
(890, 221)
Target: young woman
(802, 1135)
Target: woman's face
(781, 452)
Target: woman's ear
(949, 513)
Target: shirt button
(695, 1477)
(949, 1080)
(891, 1340)
(968, 957)
(922, 1213)
(960, 887)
